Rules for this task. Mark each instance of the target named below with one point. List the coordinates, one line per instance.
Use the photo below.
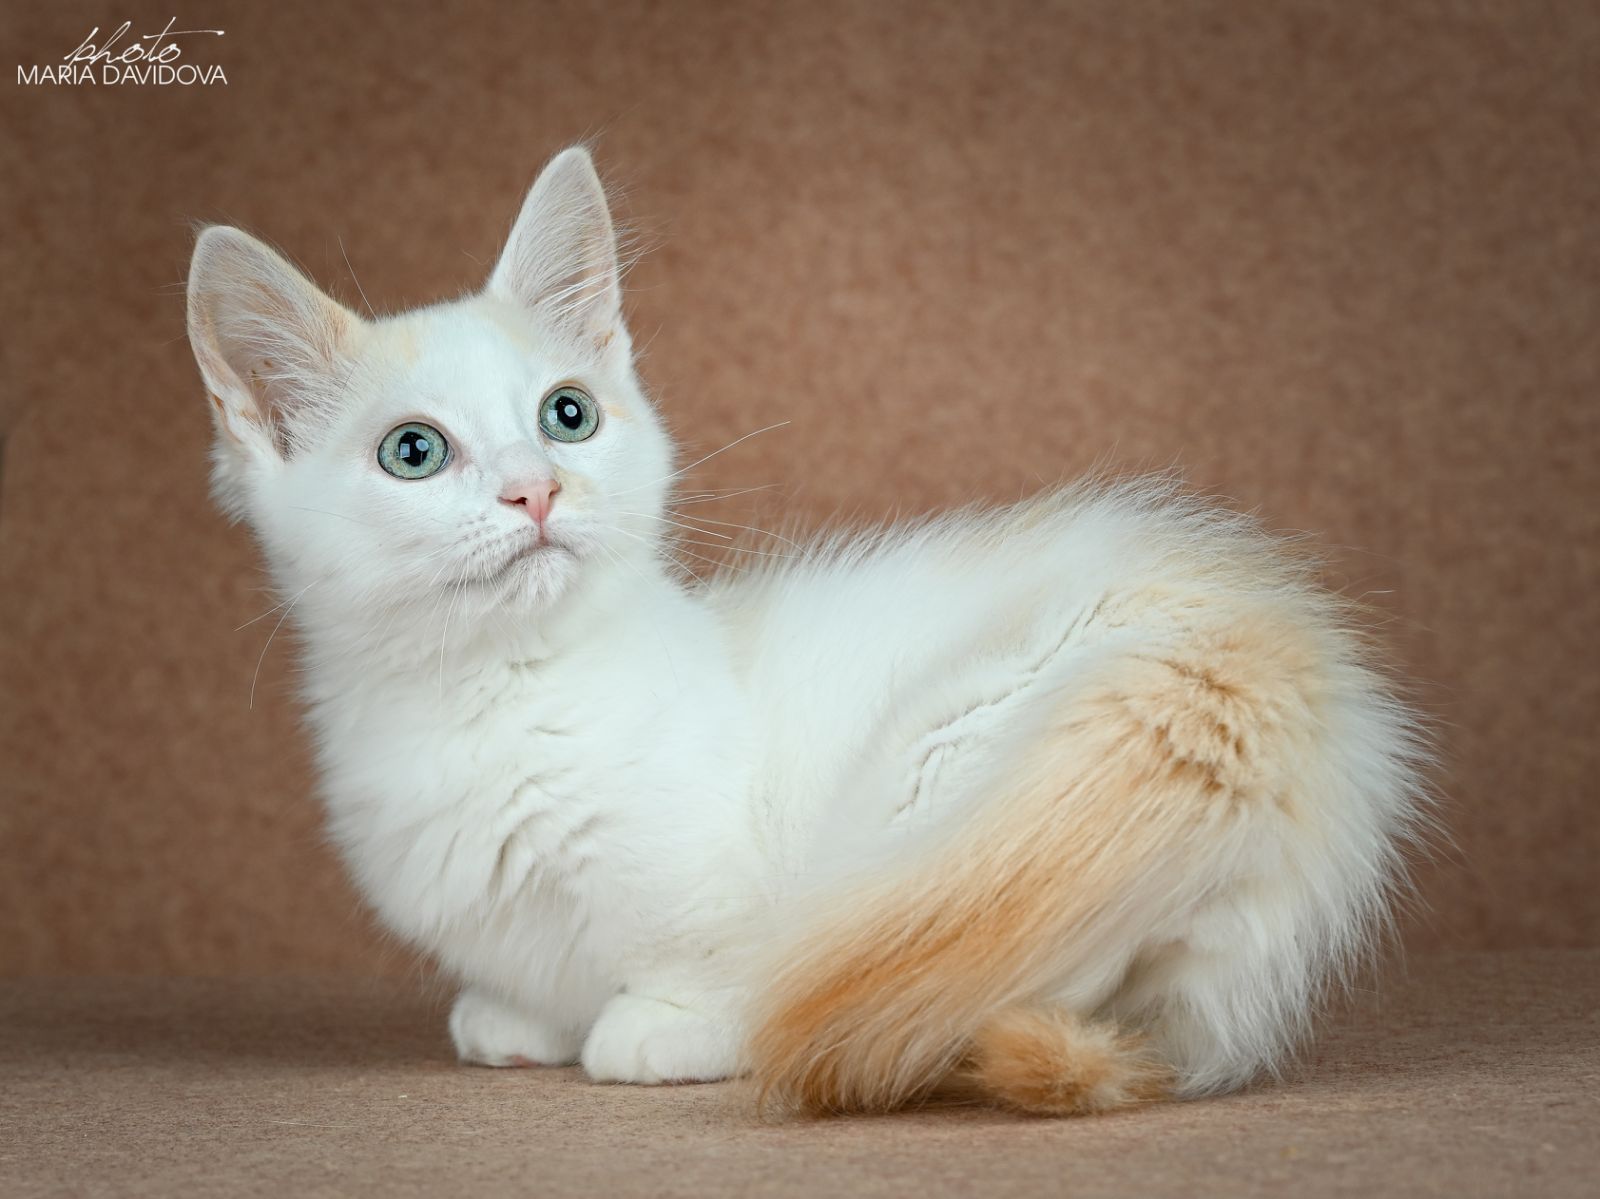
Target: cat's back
(845, 643)
(856, 601)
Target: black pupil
(414, 448)
(568, 413)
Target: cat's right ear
(269, 343)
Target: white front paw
(490, 1033)
(649, 1041)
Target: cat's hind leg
(489, 1032)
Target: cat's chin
(532, 578)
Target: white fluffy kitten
(1068, 805)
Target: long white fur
(601, 795)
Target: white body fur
(601, 796)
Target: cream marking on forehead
(395, 341)
(509, 321)
(406, 346)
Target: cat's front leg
(664, 1037)
(489, 1032)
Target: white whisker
(732, 549)
(707, 458)
(713, 494)
(444, 636)
(665, 547)
(679, 524)
(263, 656)
(359, 289)
(728, 524)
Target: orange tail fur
(1043, 1061)
(1137, 797)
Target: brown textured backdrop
(1338, 261)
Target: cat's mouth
(528, 554)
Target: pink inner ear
(259, 326)
(560, 261)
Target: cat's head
(490, 451)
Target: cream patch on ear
(223, 420)
(338, 331)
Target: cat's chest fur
(538, 819)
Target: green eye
(413, 451)
(568, 414)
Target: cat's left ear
(560, 261)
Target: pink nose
(535, 496)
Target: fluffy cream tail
(1135, 804)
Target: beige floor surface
(1472, 1075)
